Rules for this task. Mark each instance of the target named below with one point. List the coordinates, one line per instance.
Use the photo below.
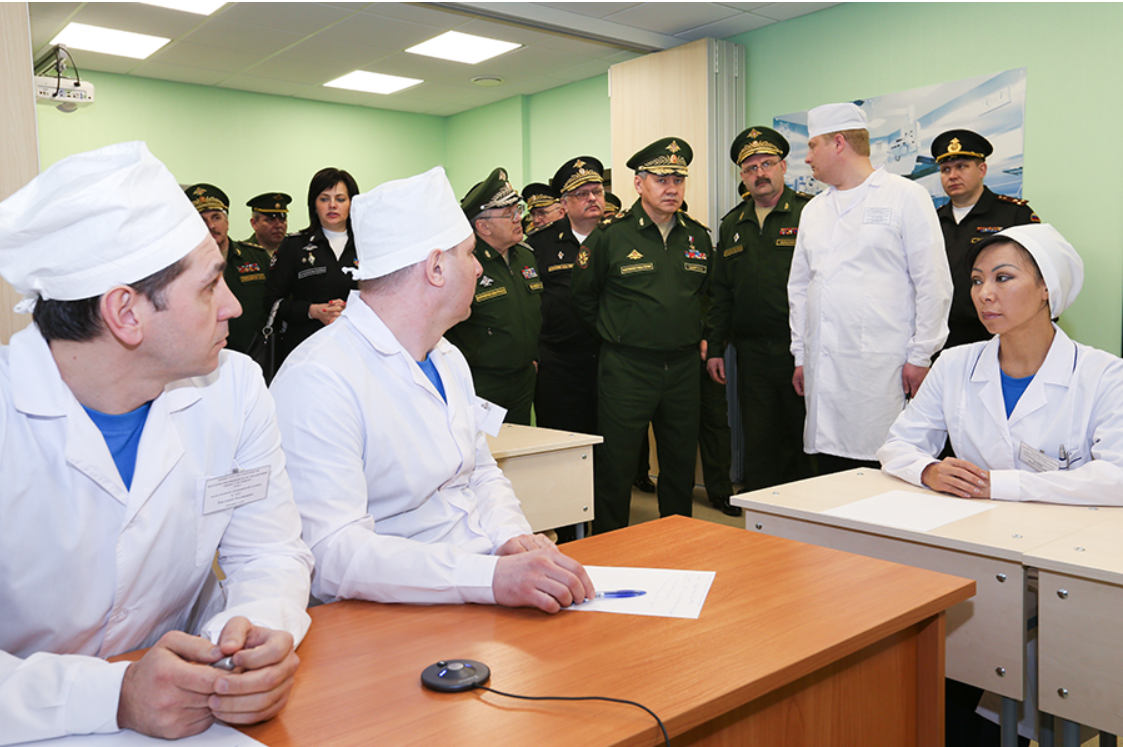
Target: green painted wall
(1072, 168)
(245, 143)
(531, 136)
(249, 143)
(567, 122)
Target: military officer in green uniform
(245, 264)
(269, 219)
(638, 283)
(972, 213)
(749, 308)
(500, 338)
(612, 204)
(543, 205)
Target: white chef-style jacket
(90, 569)
(869, 289)
(400, 496)
(1072, 411)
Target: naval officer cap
(577, 172)
(94, 221)
(1060, 265)
(960, 144)
(671, 155)
(835, 118)
(539, 195)
(270, 203)
(398, 223)
(494, 192)
(758, 141)
(206, 197)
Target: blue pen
(620, 594)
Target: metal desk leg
(580, 530)
(1070, 733)
(1108, 740)
(1008, 721)
(1045, 730)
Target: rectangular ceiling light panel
(361, 80)
(109, 41)
(458, 47)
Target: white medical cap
(1060, 265)
(398, 223)
(835, 118)
(93, 221)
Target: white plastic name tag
(489, 416)
(1037, 460)
(235, 489)
(878, 216)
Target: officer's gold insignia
(954, 146)
(578, 164)
(673, 147)
(754, 132)
(199, 191)
(583, 258)
(635, 255)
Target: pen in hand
(620, 594)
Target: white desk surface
(1095, 552)
(519, 440)
(1008, 531)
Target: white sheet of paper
(670, 593)
(918, 512)
(219, 735)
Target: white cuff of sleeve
(95, 692)
(474, 576)
(1005, 485)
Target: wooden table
(551, 471)
(986, 644)
(1080, 664)
(796, 645)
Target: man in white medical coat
(384, 434)
(869, 293)
(132, 447)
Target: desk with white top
(551, 472)
(1080, 664)
(986, 642)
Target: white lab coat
(400, 496)
(89, 569)
(869, 289)
(1075, 400)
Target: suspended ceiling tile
(380, 32)
(296, 71)
(738, 24)
(257, 84)
(747, 7)
(330, 53)
(577, 47)
(179, 73)
(106, 63)
(441, 20)
(787, 11)
(595, 10)
(502, 31)
(210, 58)
(297, 18)
(582, 71)
(220, 32)
(672, 18)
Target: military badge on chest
(529, 273)
(485, 281)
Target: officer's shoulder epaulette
(254, 244)
(805, 195)
(618, 216)
(736, 208)
(1013, 200)
(692, 219)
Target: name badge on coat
(235, 489)
(877, 216)
(489, 416)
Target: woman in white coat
(1032, 415)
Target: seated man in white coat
(122, 422)
(384, 434)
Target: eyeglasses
(513, 217)
(762, 166)
(584, 194)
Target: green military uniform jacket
(245, 274)
(502, 333)
(749, 287)
(635, 291)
